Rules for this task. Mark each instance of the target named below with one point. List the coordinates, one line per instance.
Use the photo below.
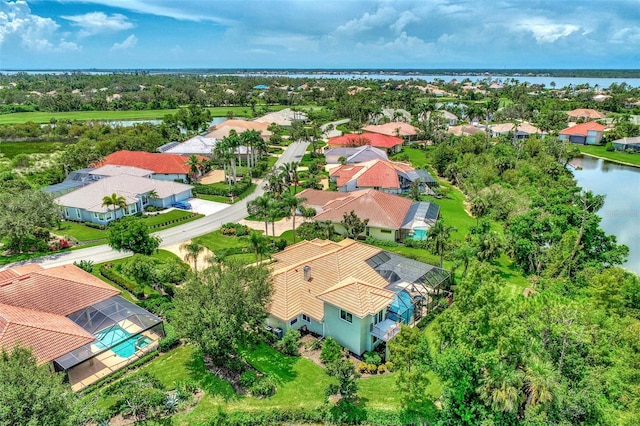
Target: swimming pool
(419, 234)
(120, 341)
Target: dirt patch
(214, 176)
(233, 377)
(306, 350)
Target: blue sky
(496, 34)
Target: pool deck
(108, 361)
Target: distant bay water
(560, 82)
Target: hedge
(223, 190)
(131, 287)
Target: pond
(130, 123)
(621, 211)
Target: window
(306, 318)
(293, 321)
(374, 339)
(378, 317)
(101, 216)
(385, 231)
(78, 213)
(346, 316)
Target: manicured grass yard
(600, 151)
(80, 232)
(167, 217)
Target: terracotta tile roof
(586, 113)
(330, 264)
(158, 163)
(62, 290)
(373, 139)
(391, 129)
(48, 335)
(223, 129)
(383, 210)
(372, 173)
(357, 297)
(463, 130)
(583, 129)
(7, 274)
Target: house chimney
(307, 273)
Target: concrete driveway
(205, 207)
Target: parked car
(181, 205)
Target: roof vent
(307, 273)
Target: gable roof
(357, 297)
(196, 145)
(35, 302)
(357, 154)
(62, 290)
(159, 163)
(383, 210)
(524, 127)
(223, 129)
(591, 114)
(375, 173)
(583, 129)
(330, 264)
(48, 335)
(392, 128)
(374, 139)
(90, 197)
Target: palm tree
(290, 174)
(293, 203)
(438, 236)
(193, 250)
(115, 200)
(500, 389)
(259, 208)
(194, 167)
(251, 139)
(259, 244)
(540, 382)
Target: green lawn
(620, 157)
(216, 241)
(152, 114)
(167, 217)
(11, 149)
(417, 157)
(79, 231)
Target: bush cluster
(410, 242)
(112, 275)
(234, 229)
(222, 189)
(263, 387)
(169, 340)
(289, 343)
(384, 243)
(331, 351)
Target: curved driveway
(178, 234)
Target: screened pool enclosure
(123, 333)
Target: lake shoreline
(623, 163)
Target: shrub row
(131, 287)
(169, 222)
(341, 414)
(223, 190)
(234, 229)
(89, 224)
(384, 243)
(170, 338)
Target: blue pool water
(419, 234)
(120, 341)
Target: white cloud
(128, 43)
(545, 31)
(405, 18)
(99, 22)
(383, 16)
(34, 32)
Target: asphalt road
(178, 234)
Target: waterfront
(621, 211)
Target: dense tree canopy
(130, 233)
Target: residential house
(585, 114)
(86, 203)
(164, 166)
(355, 293)
(222, 130)
(390, 144)
(354, 155)
(523, 130)
(198, 145)
(395, 128)
(391, 217)
(387, 176)
(283, 117)
(588, 133)
(624, 144)
(464, 130)
(450, 119)
(73, 321)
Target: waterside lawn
(619, 157)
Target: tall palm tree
(259, 244)
(439, 238)
(540, 382)
(194, 167)
(193, 250)
(116, 201)
(293, 203)
(259, 208)
(500, 389)
(290, 174)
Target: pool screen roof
(111, 321)
(397, 269)
(421, 215)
